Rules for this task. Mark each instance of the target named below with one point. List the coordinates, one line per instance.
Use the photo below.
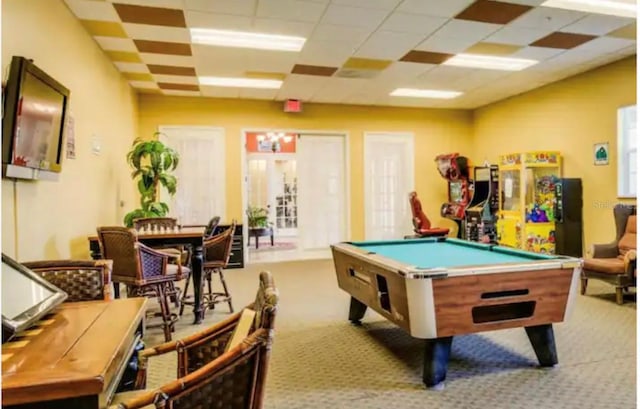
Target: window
(627, 152)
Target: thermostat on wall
(292, 105)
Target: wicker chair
(82, 280)
(142, 269)
(209, 375)
(217, 250)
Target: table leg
(436, 360)
(271, 238)
(116, 290)
(356, 311)
(255, 237)
(543, 343)
(196, 273)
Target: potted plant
(152, 163)
(257, 217)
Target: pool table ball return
(436, 288)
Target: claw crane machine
(526, 218)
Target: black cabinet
(568, 214)
(237, 247)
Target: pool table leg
(436, 360)
(543, 343)
(356, 311)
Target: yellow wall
(569, 116)
(46, 219)
(436, 132)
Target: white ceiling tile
(359, 99)
(93, 10)
(162, 59)
(179, 93)
(301, 86)
(325, 53)
(336, 89)
(249, 93)
(412, 23)
(388, 45)
(351, 35)
(517, 35)
(354, 16)
(627, 50)
(374, 4)
(597, 24)
(525, 2)
(411, 102)
(219, 61)
(443, 76)
(439, 44)
(282, 27)
(403, 71)
(603, 45)
(131, 67)
(175, 79)
(467, 30)
(238, 7)
(165, 4)
(157, 33)
(547, 18)
(200, 19)
(259, 60)
(477, 78)
(220, 92)
(296, 10)
(448, 8)
(537, 53)
(143, 84)
(116, 44)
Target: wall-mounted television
(35, 108)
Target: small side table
(260, 232)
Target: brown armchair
(615, 262)
(82, 280)
(209, 375)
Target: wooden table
(73, 358)
(192, 236)
(260, 232)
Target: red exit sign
(293, 105)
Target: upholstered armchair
(82, 280)
(615, 262)
(211, 373)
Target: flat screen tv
(35, 109)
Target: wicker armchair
(142, 269)
(217, 250)
(82, 280)
(209, 376)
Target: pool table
(436, 288)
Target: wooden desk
(73, 358)
(192, 236)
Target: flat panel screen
(20, 293)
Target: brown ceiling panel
(562, 40)
(425, 57)
(155, 16)
(313, 70)
(172, 70)
(179, 87)
(162, 47)
(496, 12)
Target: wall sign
(601, 153)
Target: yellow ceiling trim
(138, 76)
(124, 56)
(492, 49)
(366, 64)
(104, 28)
(265, 75)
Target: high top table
(188, 236)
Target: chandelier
(274, 138)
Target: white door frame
(410, 137)
(243, 173)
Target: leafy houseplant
(257, 217)
(152, 162)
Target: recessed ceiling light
(424, 93)
(225, 38)
(240, 82)
(622, 8)
(489, 62)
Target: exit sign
(293, 105)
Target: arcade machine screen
(455, 192)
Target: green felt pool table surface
(447, 253)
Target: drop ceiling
(356, 51)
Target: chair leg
(226, 290)
(184, 294)
(211, 305)
(161, 291)
(619, 296)
(583, 285)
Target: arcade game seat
(421, 223)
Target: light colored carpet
(320, 360)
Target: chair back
(621, 214)
(82, 280)
(629, 238)
(155, 223)
(420, 220)
(119, 244)
(217, 249)
(211, 227)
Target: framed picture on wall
(601, 153)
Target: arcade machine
(482, 214)
(455, 169)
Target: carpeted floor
(321, 361)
